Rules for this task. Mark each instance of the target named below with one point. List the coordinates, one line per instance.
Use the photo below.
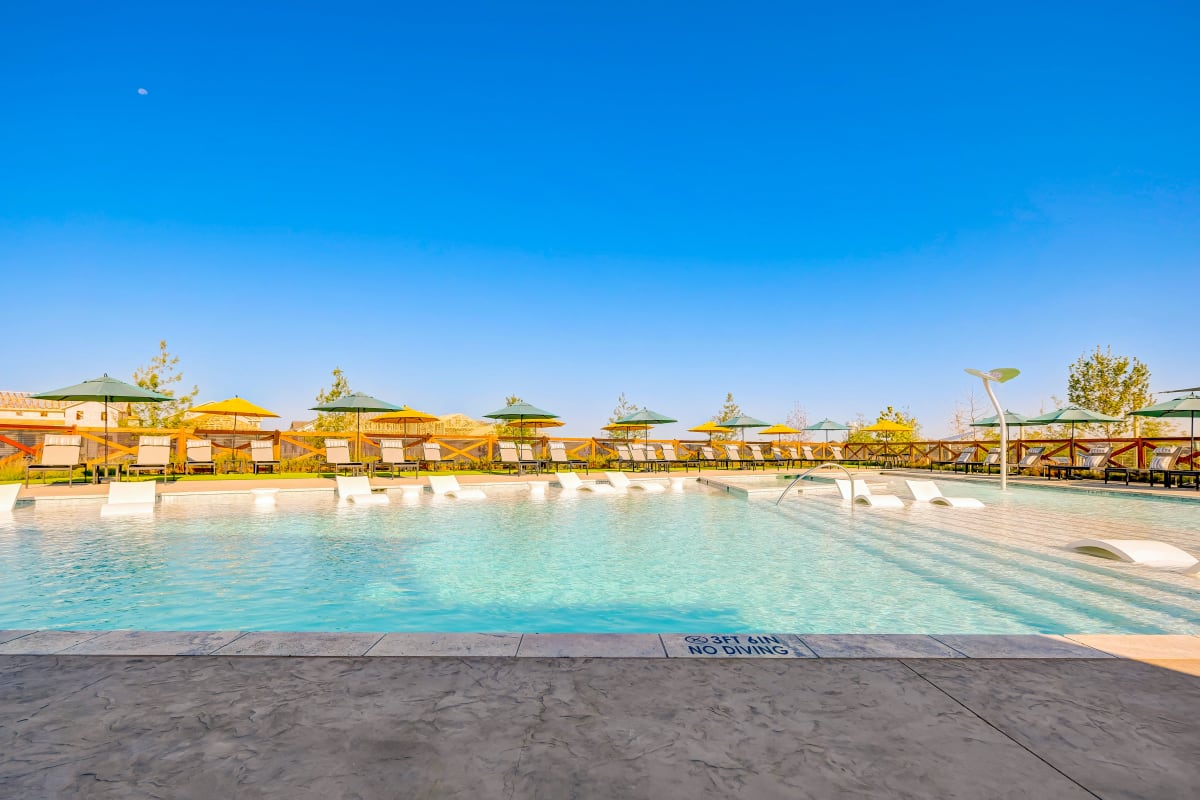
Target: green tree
(333, 421)
(728, 411)
(1113, 385)
(889, 414)
(161, 375)
(623, 409)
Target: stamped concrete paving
(300, 727)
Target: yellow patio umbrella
(233, 407)
(710, 428)
(887, 427)
(404, 416)
(778, 430)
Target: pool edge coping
(738, 646)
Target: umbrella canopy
(1186, 406)
(521, 411)
(887, 426)
(106, 390)
(1011, 418)
(710, 428)
(743, 422)
(1071, 415)
(827, 425)
(235, 407)
(358, 403)
(542, 423)
(405, 415)
(644, 419)
(778, 431)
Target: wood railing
(303, 450)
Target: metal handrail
(810, 471)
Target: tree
(160, 375)
(624, 408)
(333, 421)
(966, 411)
(505, 429)
(889, 414)
(728, 411)
(1113, 385)
(797, 418)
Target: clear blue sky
(837, 205)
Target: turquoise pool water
(676, 562)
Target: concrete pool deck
(305, 727)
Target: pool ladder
(810, 471)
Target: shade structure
(710, 428)
(404, 416)
(358, 403)
(742, 422)
(521, 412)
(778, 431)
(1011, 418)
(235, 407)
(1071, 415)
(106, 390)
(645, 419)
(887, 427)
(1187, 406)
(827, 425)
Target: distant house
(19, 408)
(221, 422)
(446, 425)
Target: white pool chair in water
(129, 498)
(358, 491)
(621, 482)
(928, 492)
(447, 485)
(862, 494)
(570, 482)
(1149, 552)
(8, 496)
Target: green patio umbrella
(827, 425)
(743, 422)
(358, 403)
(106, 390)
(1011, 418)
(645, 418)
(1187, 406)
(520, 412)
(1071, 415)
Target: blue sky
(839, 207)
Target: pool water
(698, 560)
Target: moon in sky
(142, 91)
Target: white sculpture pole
(1001, 375)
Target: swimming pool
(697, 560)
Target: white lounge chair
(337, 457)
(862, 494)
(1149, 552)
(571, 482)
(447, 485)
(199, 457)
(153, 455)
(393, 459)
(928, 492)
(8, 496)
(262, 456)
(621, 482)
(558, 455)
(129, 498)
(358, 491)
(59, 452)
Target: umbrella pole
(233, 452)
(105, 440)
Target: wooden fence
(302, 451)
